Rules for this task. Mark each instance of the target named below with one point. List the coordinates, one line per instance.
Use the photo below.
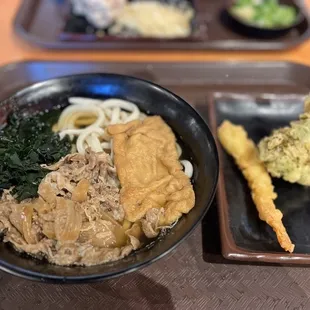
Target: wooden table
(14, 49)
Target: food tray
(201, 84)
(195, 276)
(33, 16)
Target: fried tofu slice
(149, 170)
(235, 141)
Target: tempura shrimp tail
(235, 141)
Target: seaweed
(26, 143)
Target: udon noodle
(87, 119)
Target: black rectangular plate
(259, 115)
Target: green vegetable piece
(264, 13)
(284, 16)
(245, 13)
(240, 3)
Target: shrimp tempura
(235, 141)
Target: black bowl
(189, 127)
(250, 29)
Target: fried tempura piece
(235, 141)
(286, 151)
(149, 170)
